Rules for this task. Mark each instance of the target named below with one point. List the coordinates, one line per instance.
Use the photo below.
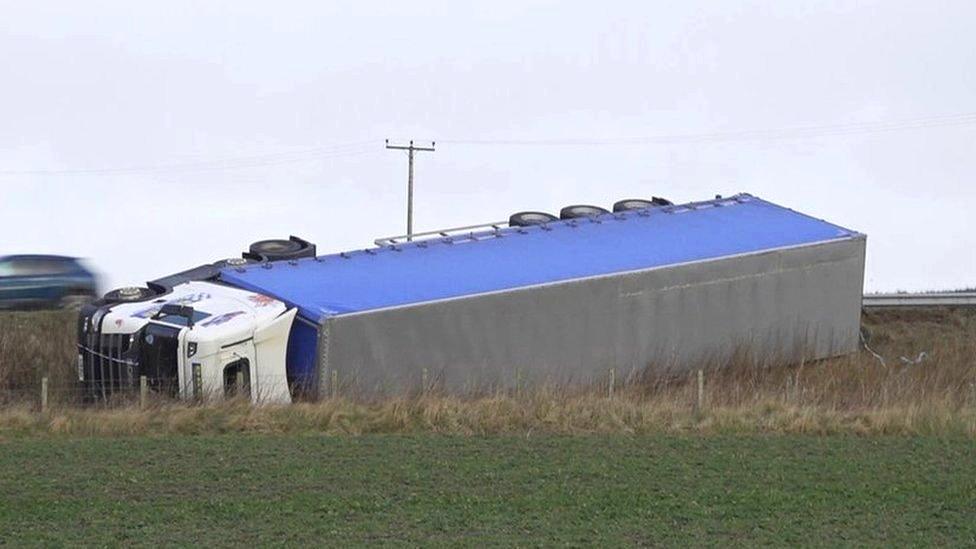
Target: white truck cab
(202, 340)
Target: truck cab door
(270, 374)
(254, 368)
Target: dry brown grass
(35, 345)
(854, 394)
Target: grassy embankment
(256, 490)
(645, 475)
(855, 394)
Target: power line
(221, 164)
(365, 147)
(779, 134)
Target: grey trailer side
(777, 305)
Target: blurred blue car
(45, 281)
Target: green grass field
(436, 490)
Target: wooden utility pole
(410, 150)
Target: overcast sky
(186, 130)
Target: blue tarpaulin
(436, 269)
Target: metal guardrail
(944, 299)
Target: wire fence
(916, 357)
(849, 383)
(150, 392)
(146, 390)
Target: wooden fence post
(610, 386)
(335, 383)
(43, 394)
(143, 391)
(700, 400)
(424, 381)
(972, 386)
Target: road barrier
(941, 299)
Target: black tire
(527, 219)
(129, 294)
(640, 204)
(277, 249)
(629, 204)
(274, 247)
(581, 210)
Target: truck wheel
(581, 210)
(527, 219)
(278, 249)
(631, 204)
(129, 293)
(274, 246)
(74, 302)
(640, 204)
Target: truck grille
(105, 367)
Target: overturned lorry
(646, 288)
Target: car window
(34, 266)
(18, 267)
(54, 266)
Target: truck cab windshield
(178, 320)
